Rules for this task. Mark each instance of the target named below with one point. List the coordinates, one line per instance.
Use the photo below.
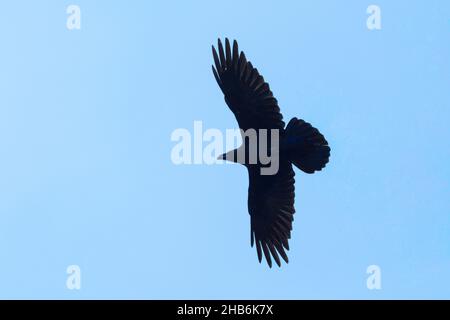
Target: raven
(270, 197)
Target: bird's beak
(229, 156)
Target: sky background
(86, 176)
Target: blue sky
(86, 176)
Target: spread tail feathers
(306, 147)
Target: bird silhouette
(270, 196)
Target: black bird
(270, 196)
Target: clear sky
(86, 176)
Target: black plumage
(270, 197)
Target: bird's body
(270, 194)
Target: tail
(306, 147)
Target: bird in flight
(270, 196)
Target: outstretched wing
(271, 208)
(246, 92)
